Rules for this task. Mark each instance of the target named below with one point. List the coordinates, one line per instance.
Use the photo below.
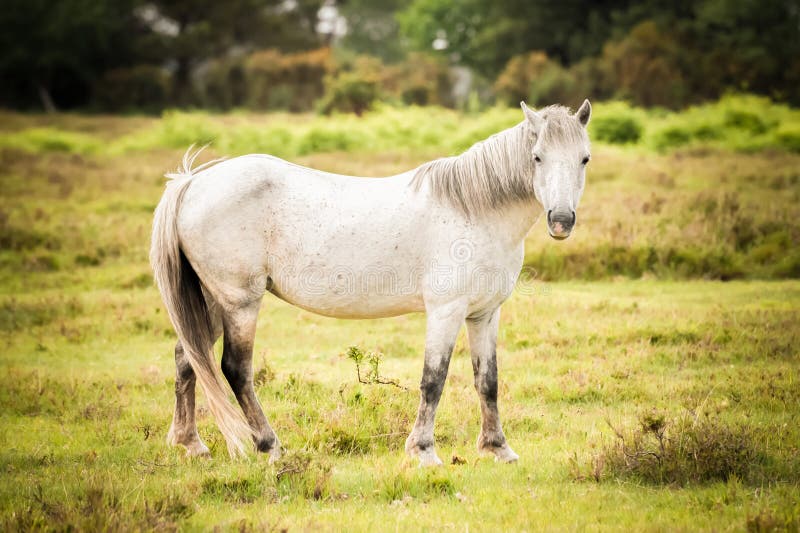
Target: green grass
(625, 319)
(742, 123)
(86, 401)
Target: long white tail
(187, 308)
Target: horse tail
(182, 293)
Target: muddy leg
(482, 333)
(237, 366)
(183, 430)
(442, 329)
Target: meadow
(649, 364)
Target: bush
(672, 137)
(419, 80)
(275, 140)
(556, 85)
(143, 87)
(329, 139)
(787, 136)
(646, 67)
(514, 82)
(349, 93)
(179, 130)
(538, 80)
(609, 259)
(353, 90)
(286, 81)
(690, 449)
(616, 129)
(224, 84)
(745, 120)
(36, 140)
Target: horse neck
(513, 222)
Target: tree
(751, 45)
(207, 28)
(56, 51)
(372, 28)
(52, 51)
(485, 35)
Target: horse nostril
(566, 218)
(574, 218)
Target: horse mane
(497, 170)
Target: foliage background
(139, 55)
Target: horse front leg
(443, 325)
(482, 333)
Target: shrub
(491, 122)
(329, 139)
(37, 140)
(555, 85)
(787, 137)
(286, 81)
(514, 82)
(179, 130)
(275, 140)
(349, 93)
(370, 361)
(538, 80)
(143, 87)
(419, 80)
(671, 137)
(353, 90)
(609, 259)
(689, 449)
(616, 129)
(745, 120)
(224, 84)
(646, 67)
(302, 475)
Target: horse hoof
(503, 454)
(275, 455)
(506, 455)
(429, 459)
(197, 449)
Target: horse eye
(585, 160)
(537, 158)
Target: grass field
(628, 328)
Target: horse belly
(343, 293)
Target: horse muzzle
(560, 223)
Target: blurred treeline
(299, 55)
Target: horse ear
(584, 113)
(535, 119)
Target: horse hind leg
(183, 430)
(239, 326)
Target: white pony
(446, 239)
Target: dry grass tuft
(685, 450)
